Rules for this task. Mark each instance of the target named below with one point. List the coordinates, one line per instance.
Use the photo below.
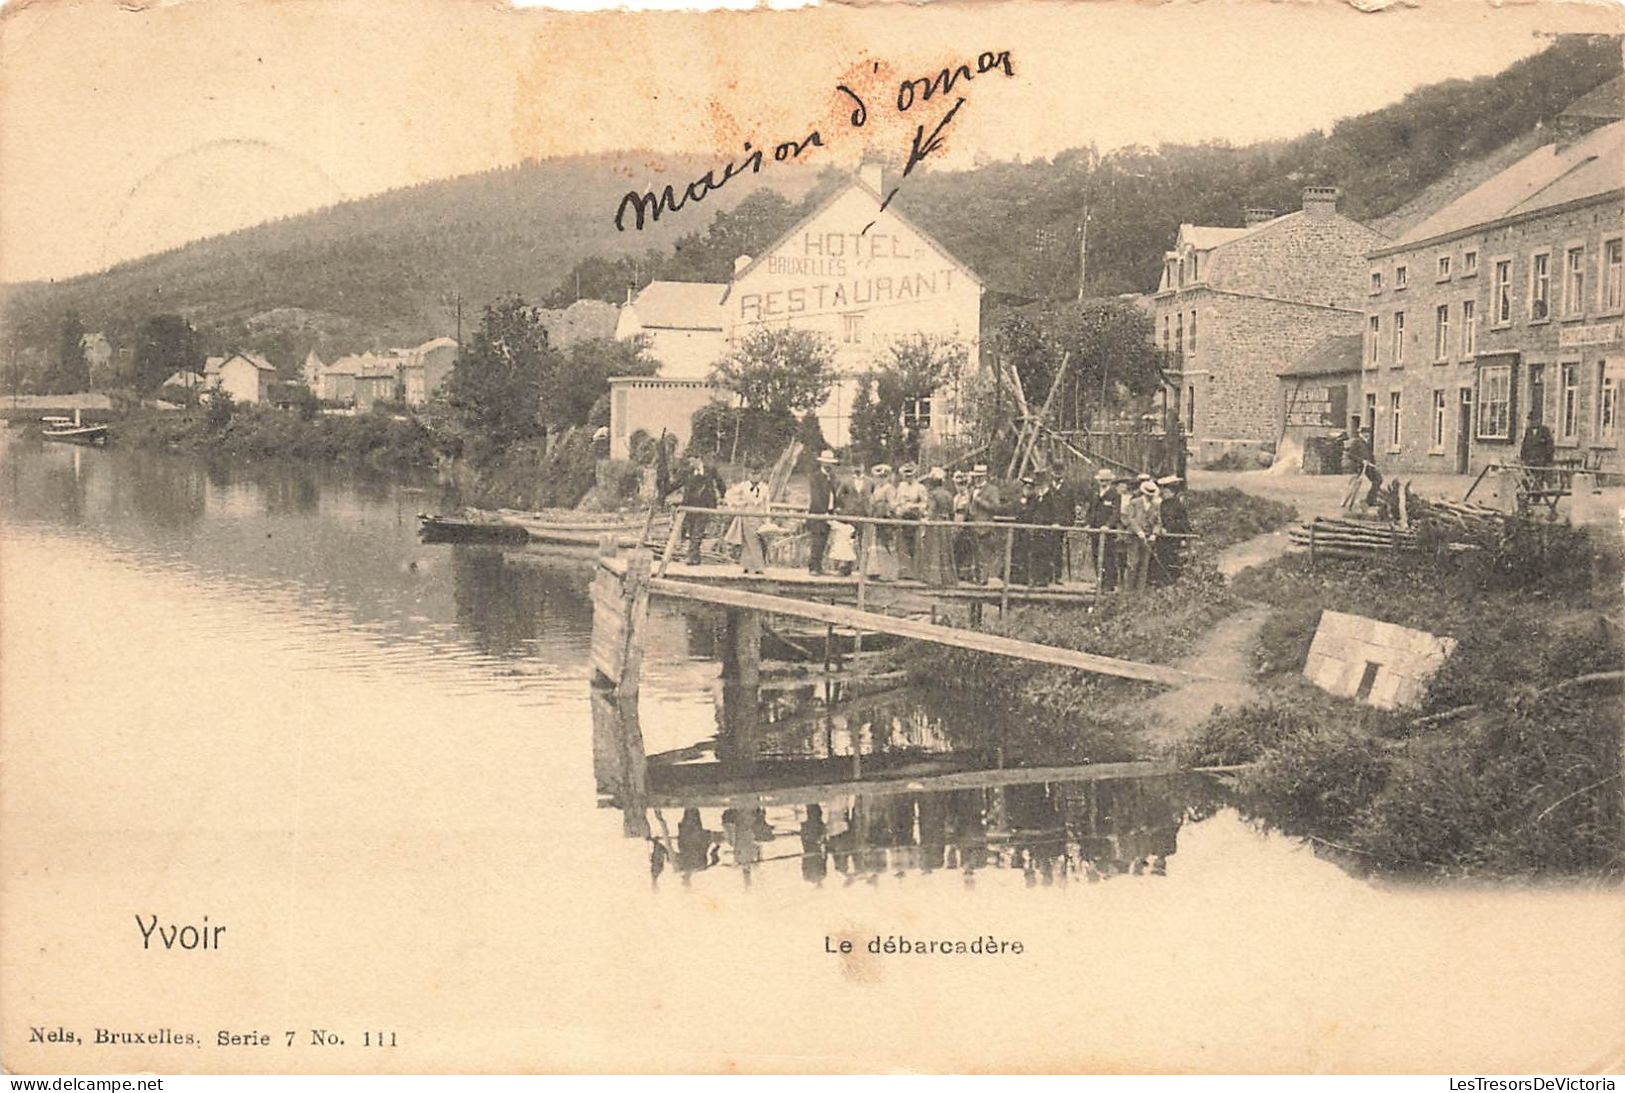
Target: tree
(496, 389)
(583, 373)
(778, 372)
(165, 344)
(909, 369)
(70, 371)
(1113, 360)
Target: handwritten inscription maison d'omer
(649, 205)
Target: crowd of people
(1136, 524)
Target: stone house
(1508, 301)
(1237, 306)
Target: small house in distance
(246, 377)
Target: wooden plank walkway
(976, 640)
(799, 580)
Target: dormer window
(1181, 273)
(1195, 275)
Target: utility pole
(1083, 249)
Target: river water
(253, 694)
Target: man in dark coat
(1169, 554)
(1537, 450)
(821, 502)
(702, 488)
(1360, 460)
(1102, 515)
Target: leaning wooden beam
(924, 631)
(742, 794)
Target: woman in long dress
(937, 543)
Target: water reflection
(872, 788)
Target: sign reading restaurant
(1573, 337)
(843, 262)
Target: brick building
(1506, 301)
(1237, 306)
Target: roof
(854, 183)
(212, 365)
(1604, 101)
(436, 343)
(1330, 356)
(689, 305)
(1202, 237)
(252, 358)
(1546, 178)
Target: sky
(126, 129)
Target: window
(1502, 300)
(1376, 281)
(1399, 337)
(1574, 281)
(1371, 418)
(1190, 410)
(1495, 402)
(1469, 263)
(917, 413)
(1166, 337)
(1444, 267)
(1182, 273)
(852, 328)
(1393, 421)
(1441, 332)
(1401, 278)
(1613, 276)
(1607, 405)
(1192, 338)
(1374, 332)
(1568, 409)
(1179, 333)
(1540, 287)
(1469, 328)
(1439, 406)
(1195, 265)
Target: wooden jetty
(622, 587)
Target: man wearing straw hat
(1141, 518)
(821, 502)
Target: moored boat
(566, 527)
(71, 430)
(470, 529)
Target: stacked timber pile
(1406, 523)
(1349, 538)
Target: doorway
(1464, 433)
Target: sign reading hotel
(859, 274)
(843, 268)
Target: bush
(1229, 516)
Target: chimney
(871, 175)
(740, 263)
(1253, 217)
(1320, 201)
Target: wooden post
(1004, 590)
(635, 592)
(671, 541)
(866, 544)
(742, 647)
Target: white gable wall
(861, 289)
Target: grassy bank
(1226, 517)
(528, 476)
(1504, 768)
